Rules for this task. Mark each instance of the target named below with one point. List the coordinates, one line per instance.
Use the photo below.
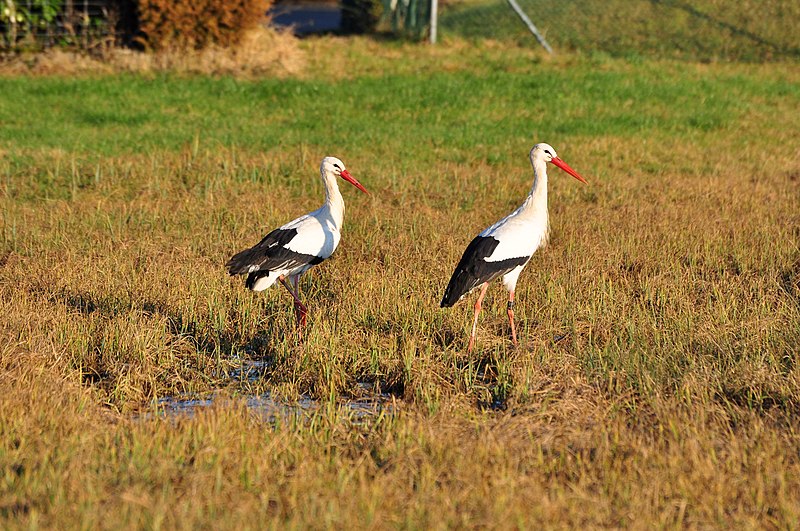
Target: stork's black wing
(270, 254)
(473, 269)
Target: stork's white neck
(535, 205)
(334, 202)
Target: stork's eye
(337, 167)
(548, 152)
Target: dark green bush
(361, 16)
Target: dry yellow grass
(573, 456)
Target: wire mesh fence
(35, 24)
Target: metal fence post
(434, 20)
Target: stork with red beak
(505, 248)
(289, 251)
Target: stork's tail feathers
(241, 262)
(448, 300)
(460, 284)
(260, 280)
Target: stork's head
(335, 167)
(546, 153)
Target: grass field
(657, 379)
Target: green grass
(464, 110)
(657, 379)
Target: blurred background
(705, 30)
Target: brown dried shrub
(197, 24)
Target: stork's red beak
(564, 166)
(352, 180)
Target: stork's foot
(300, 313)
(471, 344)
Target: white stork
(506, 247)
(291, 250)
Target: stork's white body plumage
(505, 248)
(522, 232)
(292, 249)
(317, 234)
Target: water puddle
(250, 370)
(270, 409)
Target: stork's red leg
(298, 303)
(300, 309)
(477, 311)
(511, 317)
